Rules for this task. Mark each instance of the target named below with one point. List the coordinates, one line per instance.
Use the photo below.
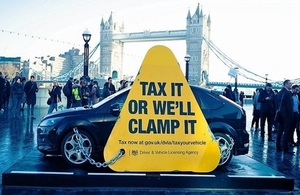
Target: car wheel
(225, 145)
(70, 148)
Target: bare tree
(8, 69)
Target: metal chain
(230, 145)
(121, 152)
(88, 156)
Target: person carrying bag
(55, 97)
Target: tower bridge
(113, 38)
(151, 36)
(198, 46)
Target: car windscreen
(206, 99)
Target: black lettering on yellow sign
(150, 88)
(137, 107)
(170, 107)
(176, 89)
(189, 124)
(158, 126)
(160, 107)
(158, 89)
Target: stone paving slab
(18, 141)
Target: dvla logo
(134, 152)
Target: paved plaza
(18, 139)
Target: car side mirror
(115, 109)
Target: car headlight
(50, 121)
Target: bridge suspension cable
(39, 73)
(231, 63)
(79, 67)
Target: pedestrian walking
(2, 91)
(229, 93)
(241, 98)
(267, 110)
(55, 94)
(17, 91)
(256, 110)
(105, 92)
(31, 89)
(285, 107)
(16, 77)
(124, 84)
(111, 86)
(67, 90)
(95, 93)
(6, 93)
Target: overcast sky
(260, 35)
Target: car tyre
(70, 148)
(226, 147)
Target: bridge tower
(112, 39)
(197, 26)
(111, 51)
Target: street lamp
(266, 78)
(235, 85)
(86, 37)
(187, 58)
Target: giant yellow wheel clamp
(161, 126)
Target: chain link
(88, 156)
(231, 144)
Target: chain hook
(88, 155)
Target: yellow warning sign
(161, 127)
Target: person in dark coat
(31, 89)
(242, 96)
(17, 91)
(229, 93)
(111, 86)
(285, 106)
(55, 95)
(2, 91)
(105, 91)
(267, 110)
(7, 92)
(16, 77)
(124, 84)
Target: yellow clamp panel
(161, 126)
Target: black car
(55, 132)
